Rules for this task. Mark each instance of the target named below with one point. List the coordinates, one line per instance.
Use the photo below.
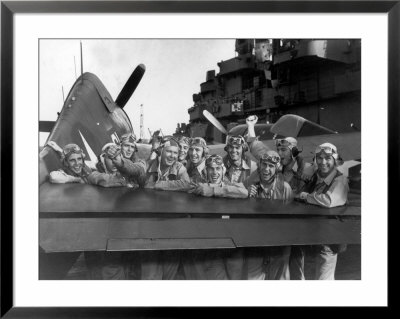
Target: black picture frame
(9, 8)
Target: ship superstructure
(319, 80)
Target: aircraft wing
(348, 145)
(308, 134)
(79, 217)
(297, 126)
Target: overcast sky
(174, 71)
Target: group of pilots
(185, 164)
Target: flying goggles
(169, 141)
(268, 158)
(236, 140)
(70, 149)
(282, 142)
(214, 159)
(128, 138)
(184, 140)
(197, 141)
(328, 149)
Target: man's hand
(302, 197)
(251, 120)
(307, 172)
(203, 190)
(77, 180)
(252, 190)
(150, 185)
(192, 186)
(113, 151)
(117, 160)
(155, 142)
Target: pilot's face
(235, 152)
(110, 165)
(285, 154)
(326, 163)
(196, 154)
(214, 173)
(183, 150)
(267, 172)
(75, 163)
(169, 155)
(127, 150)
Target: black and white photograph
(180, 155)
(199, 159)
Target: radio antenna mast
(81, 63)
(141, 122)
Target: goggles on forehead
(282, 142)
(326, 149)
(267, 158)
(70, 149)
(197, 141)
(184, 140)
(236, 140)
(128, 138)
(169, 141)
(214, 159)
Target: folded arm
(135, 170)
(106, 180)
(60, 177)
(335, 196)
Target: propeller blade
(215, 122)
(130, 86)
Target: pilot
(238, 166)
(217, 185)
(271, 186)
(124, 158)
(107, 265)
(296, 171)
(107, 174)
(328, 187)
(196, 167)
(238, 170)
(74, 168)
(215, 264)
(164, 173)
(128, 146)
(183, 142)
